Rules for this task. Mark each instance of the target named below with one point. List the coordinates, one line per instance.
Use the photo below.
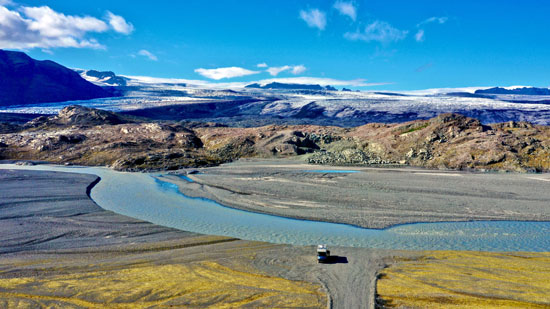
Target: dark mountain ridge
(24, 80)
(518, 91)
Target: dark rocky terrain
(24, 80)
(79, 135)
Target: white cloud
(297, 69)
(148, 54)
(378, 31)
(346, 8)
(6, 2)
(119, 24)
(314, 18)
(262, 65)
(274, 71)
(41, 27)
(439, 20)
(50, 23)
(228, 72)
(419, 36)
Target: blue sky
(394, 45)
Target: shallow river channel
(147, 197)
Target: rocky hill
(79, 116)
(450, 141)
(24, 80)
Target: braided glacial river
(147, 197)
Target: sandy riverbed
(59, 248)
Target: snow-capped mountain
(102, 78)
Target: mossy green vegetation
(201, 284)
(465, 279)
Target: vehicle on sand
(323, 254)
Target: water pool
(186, 178)
(149, 198)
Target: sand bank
(372, 197)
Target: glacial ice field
(349, 107)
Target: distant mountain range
(284, 86)
(24, 80)
(517, 91)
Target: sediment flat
(371, 197)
